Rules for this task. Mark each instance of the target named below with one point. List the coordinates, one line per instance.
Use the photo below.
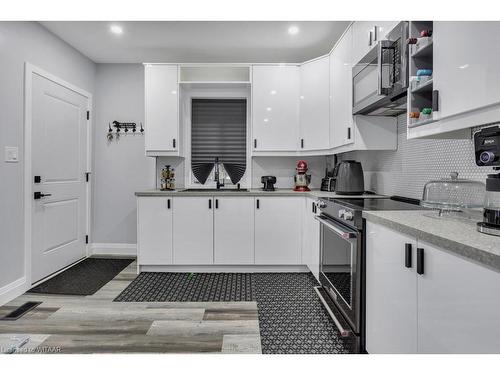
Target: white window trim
(186, 96)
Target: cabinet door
(154, 230)
(362, 41)
(234, 230)
(465, 64)
(161, 109)
(193, 230)
(278, 230)
(458, 305)
(275, 108)
(315, 105)
(341, 122)
(391, 292)
(310, 240)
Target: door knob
(38, 195)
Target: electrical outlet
(11, 154)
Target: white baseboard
(224, 268)
(12, 290)
(115, 249)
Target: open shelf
(423, 51)
(423, 88)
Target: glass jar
(492, 200)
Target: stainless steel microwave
(380, 78)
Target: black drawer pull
(173, 142)
(258, 204)
(408, 255)
(420, 261)
(210, 204)
(216, 204)
(302, 143)
(168, 204)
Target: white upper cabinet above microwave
(366, 34)
(275, 108)
(466, 72)
(315, 105)
(161, 126)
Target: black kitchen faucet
(216, 174)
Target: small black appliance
(268, 182)
(487, 153)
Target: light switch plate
(11, 154)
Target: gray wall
(120, 166)
(22, 42)
(416, 161)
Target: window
(218, 130)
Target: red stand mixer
(301, 179)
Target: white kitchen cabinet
(391, 292)
(161, 125)
(451, 306)
(154, 230)
(275, 108)
(278, 230)
(341, 118)
(366, 34)
(458, 305)
(193, 230)
(315, 104)
(310, 240)
(234, 230)
(466, 73)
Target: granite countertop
(250, 192)
(457, 236)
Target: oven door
(373, 77)
(340, 269)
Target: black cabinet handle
(349, 133)
(408, 255)
(168, 204)
(39, 195)
(255, 143)
(173, 142)
(420, 261)
(37, 179)
(435, 100)
(216, 204)
(302, 143)
(210, 204)
(258, 204)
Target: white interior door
(59, 156)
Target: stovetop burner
(376, 204)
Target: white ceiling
(194, 42)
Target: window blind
(218, 129)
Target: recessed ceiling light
(292, 30)
(116, 29)
(273, 92)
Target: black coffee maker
(268, 182)
(487, 152)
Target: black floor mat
(188, 287)
(84, 278)
(292, 318)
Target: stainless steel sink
(213, 190)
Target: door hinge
(88, 115)
(87, 176)
(86, 238)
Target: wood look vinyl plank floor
(96, 324)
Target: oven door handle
(344, 332)
(342, 233)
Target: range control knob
(348, 216)
(321, 204)
(341, 214)
(487, 157)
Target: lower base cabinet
(193, 230)
(278, 230)
(234, 230)
(451, 306)
(310, 240)
(154, 230)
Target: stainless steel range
(342, 272)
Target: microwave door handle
(344, 234)
(380, 67)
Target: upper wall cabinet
(366, 34)
(466, 70)
(161, 110)
(275, 108)
(315, 105)
(341, 117)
